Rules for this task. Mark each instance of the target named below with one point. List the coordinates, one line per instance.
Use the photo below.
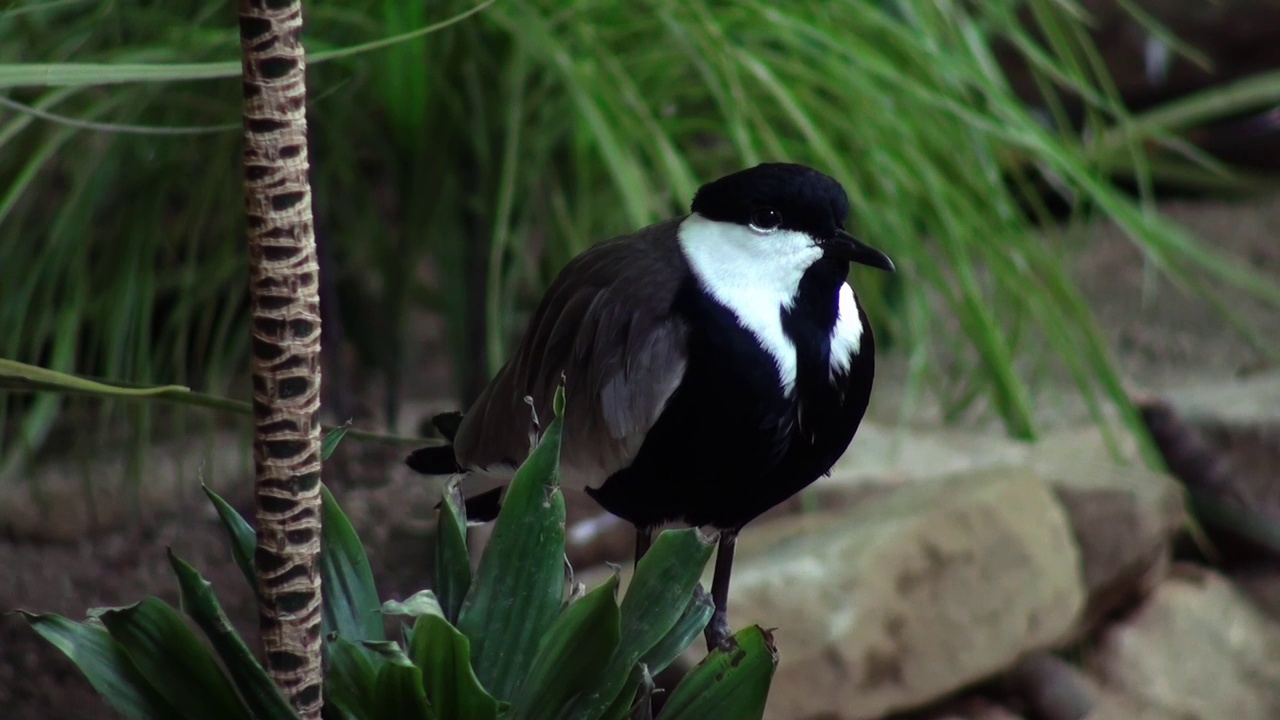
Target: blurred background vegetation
(455, 171)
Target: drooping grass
(499, 146)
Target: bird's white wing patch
(846, 336)
(755, 275)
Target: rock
(1123, 517)
(1224, 446)
(1114, 706)
(970, 708)
(1248, 402)
(1050, 688)
(1197, 649)
(1241, 420)
(910, 595)
(885, 455)
(1260, 582)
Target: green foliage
(520, 650)
(500, 145)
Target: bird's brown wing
(606, 323)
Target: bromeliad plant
(513, 640)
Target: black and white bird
(714, 364)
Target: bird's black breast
(730, 443)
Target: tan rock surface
(910, 595)
(1123, 517)
(1197, 649)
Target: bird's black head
(790, 197)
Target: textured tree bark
(285, 304)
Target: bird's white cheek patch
(755, 276)
(846, 336)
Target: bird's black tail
(448, 424)
(441, 460)
(433, 460)
(438, 459)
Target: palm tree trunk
(285, 304)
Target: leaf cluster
(511, 639)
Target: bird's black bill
(849, 248)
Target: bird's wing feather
(609, 315)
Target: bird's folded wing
(606, 324)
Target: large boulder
(911, 594)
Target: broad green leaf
(574, 652)
(732, 682)
(686, 630)
(351, 678)
(332, 438)
(655, 602)
(239, 533)
(106, 666)
(399, 689)
(174, 660)
(256, 687)
(350, 601)
(642, 707)
(421, 603)
(621, 707)
(519, 585)
(443, 654)
(453, 562)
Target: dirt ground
(1159, 338)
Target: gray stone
(910, 595)
(1240, 420)
(1123, 517)
(886, 455)
(1197, 649)
(1238, 402)
(1050, 688)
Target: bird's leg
(717, 632)
(644, 538)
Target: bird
(713, 364)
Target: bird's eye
(766, 219)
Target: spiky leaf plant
(516, 641)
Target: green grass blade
(256, 688)
(519, 585)
(728, 683)
(174, 660)
(105, 665)
(16, 372)
(22, 377)
(90, 74)
(331, 440)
